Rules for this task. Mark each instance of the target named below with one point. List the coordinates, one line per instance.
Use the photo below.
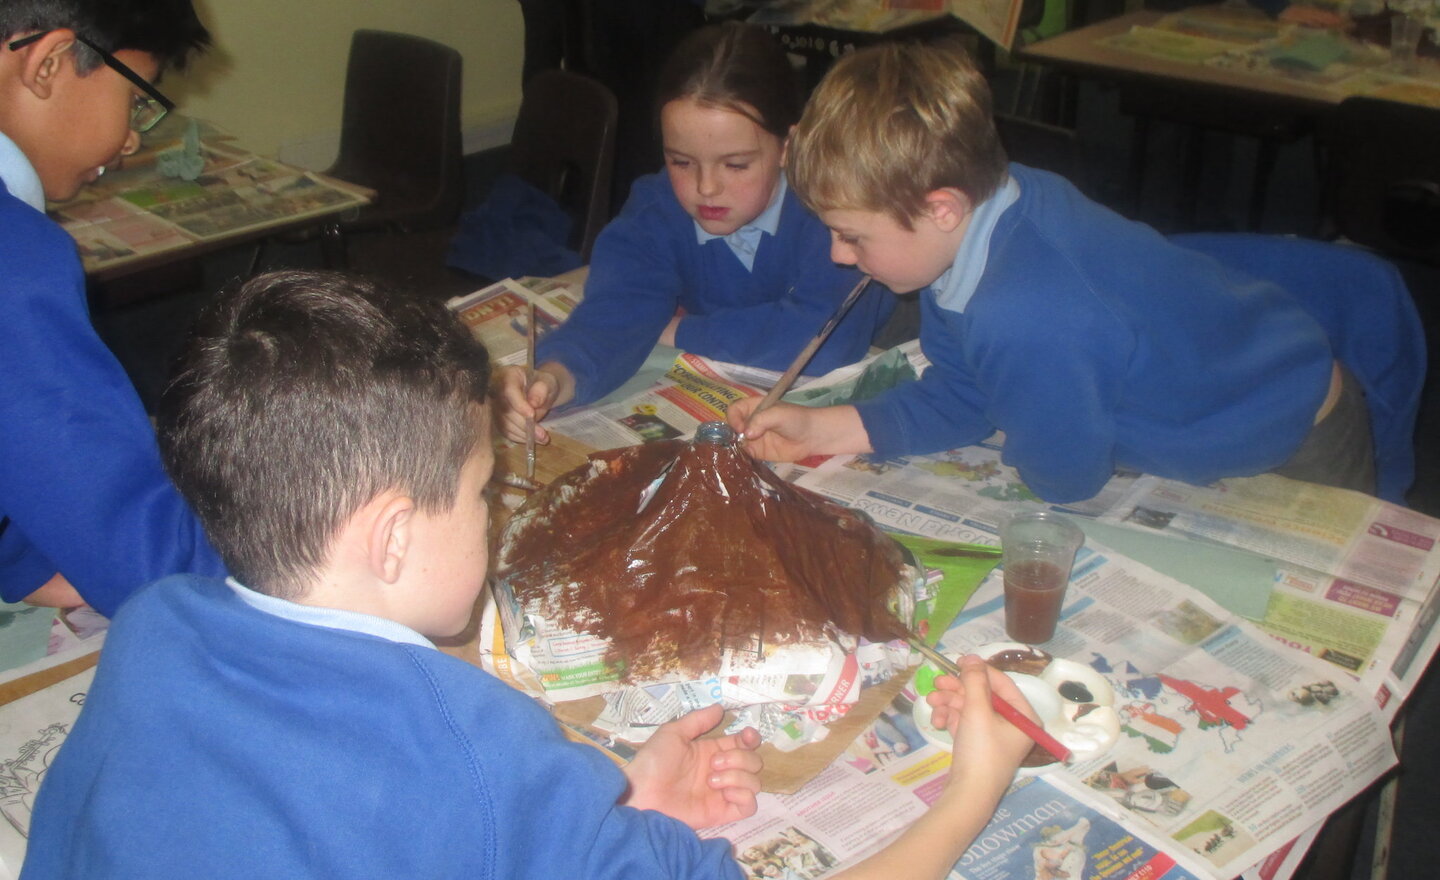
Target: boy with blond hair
(296, 721)
(1090, 340)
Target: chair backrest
(1382, 176)
(564, 145)
(400, 132)
(1362, 302)
(1041, 145)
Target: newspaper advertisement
(694, 390)
(1357, 576)
(1232, 745)
(498, 315)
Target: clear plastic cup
(1038, 550)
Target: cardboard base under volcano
(784, 772)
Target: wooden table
(136, 219)
(1082, 52)
(1273, 108)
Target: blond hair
(892, 123)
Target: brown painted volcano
(675, 552)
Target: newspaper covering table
(496, 315)
(1244, 40)
(1211, 777)
(1356, 583)
(1234, 744)
(135, 212)
(34, 721)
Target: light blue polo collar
(745, 241)
(954, 289)
(19, 175)
(330, 618)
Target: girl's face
(723, 167)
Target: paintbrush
(515, 481)
(789, 376)
(530, 377)
(1011, 714)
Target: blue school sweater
(1094, 343)
(648, 262)
(222, 741)
(82, 490)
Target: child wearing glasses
(295, 720)
(86, 511)
(716, 256)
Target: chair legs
(334, 252)
(333, 249)
(255, 257)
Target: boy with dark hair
(83, 498)
(1090, 340)
(335, 441)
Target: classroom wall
(276, 74)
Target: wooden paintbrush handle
(788, 377)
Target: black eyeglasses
(146, 110)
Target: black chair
(1197, 111)
(564, 145)
(1382, 177)
(399, 136)
(1041, 145)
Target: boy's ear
(43, 60)
(948, 208)
(391, 518)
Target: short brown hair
(302, 396)
(892, 123)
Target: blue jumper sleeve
(80, 472)
(631, 293)
(23, 568)
(1050, 384)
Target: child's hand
(516, 405)
(667, 336)
(701, 782)
(786, 432)
(988, 749)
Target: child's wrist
(978, 785)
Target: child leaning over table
(296, 721)
(84, 500)
(1089, 339)
(716, 256)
